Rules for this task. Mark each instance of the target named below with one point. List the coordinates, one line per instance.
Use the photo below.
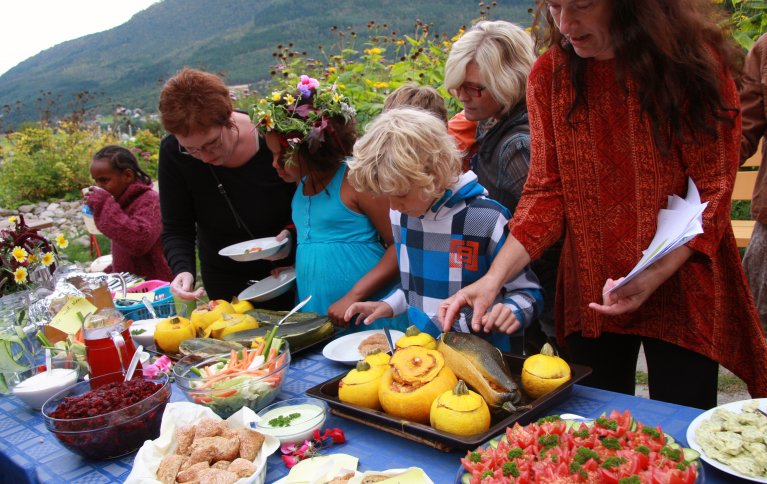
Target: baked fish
(482, 366)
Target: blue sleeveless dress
(336, 247)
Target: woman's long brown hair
(677, 55)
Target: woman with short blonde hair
(504, 54)
(487, 71)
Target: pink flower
(161, 365)
(308, 82)
(290, 460)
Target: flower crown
(302, 116)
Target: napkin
(677, 225)
(184, 413)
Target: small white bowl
(241, 252)
(146, 337)
(37, 389)
(312, 414)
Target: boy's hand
(500, 319)
(369, 311)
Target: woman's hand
(511, 259)
(182, 287)
(630, 297)
(285, 250)
(279, 270)
(369, 311)
(478, 296)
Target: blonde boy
(446, 231)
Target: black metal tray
(445, 441)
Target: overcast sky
(31, 26)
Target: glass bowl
(118, 431)
(293, 420)
(227, 391)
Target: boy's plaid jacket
(450, 247)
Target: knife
(388, 338)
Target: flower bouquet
(26, 259)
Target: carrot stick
(260, 349)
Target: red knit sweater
(133, 225)
(601, 182)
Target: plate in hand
(253, 249)
(345, 349)
(269, 287)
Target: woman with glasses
(487, 71)
(217, 188)
(629, 102)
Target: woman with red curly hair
(217, 188)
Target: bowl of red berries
(106, 417)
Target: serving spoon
(133, 363)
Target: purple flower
(306, 84)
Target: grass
(82, 253)
(728, 383)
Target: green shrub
(42, 163)
(145, 145)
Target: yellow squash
(231, 323)
(241, 306)
(169, 333)
(460, 411)
(544, 372)
(416, 376)
(414, 337)
(205, 315)
(360, 386)
(378, 358)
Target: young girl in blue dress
(342, 235)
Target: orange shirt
(464, 132)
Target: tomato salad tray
(530, 410)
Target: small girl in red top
(127, 210)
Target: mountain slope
(127, 64)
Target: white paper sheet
(677, 225)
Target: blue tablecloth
(29, 453)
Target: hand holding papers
(677, 225)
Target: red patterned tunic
(601, 182)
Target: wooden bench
(745, 181)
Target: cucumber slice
(669, 439)
(690, 454)
(466, 478)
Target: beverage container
(108, 344)
(97, 293)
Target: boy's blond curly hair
(404, 149)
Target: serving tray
(445, 441)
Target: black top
(192, 208)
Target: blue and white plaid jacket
(450, 247)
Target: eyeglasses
(472, 91)
(208, 147)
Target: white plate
(240, 252)
(693, 443)
(344, 349)
(270, 287)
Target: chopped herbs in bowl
(293, 420)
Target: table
(29, 453)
